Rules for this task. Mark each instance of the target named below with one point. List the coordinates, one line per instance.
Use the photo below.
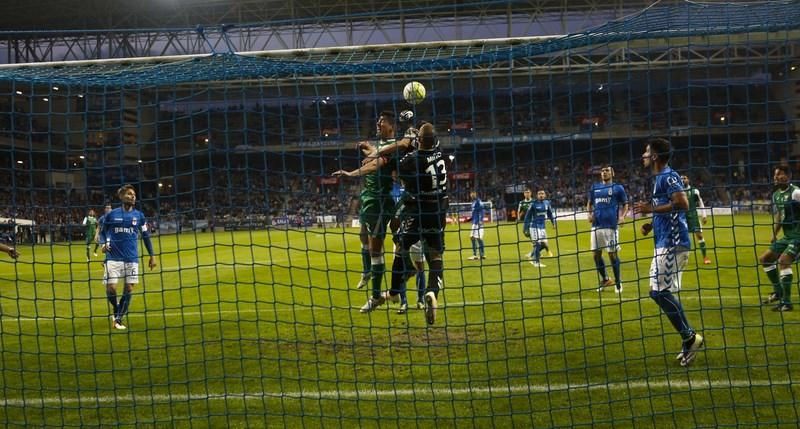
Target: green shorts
(694, 224)
(375, 214)
(789, 246)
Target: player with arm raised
(535, 219)
(377, 205)
(695, 202)
(400, 147)
(120, 237)
(671, 234)
(607, 206)
(395, 146)
(372, 162)
(784, 250)
(423, 216)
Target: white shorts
(477, 231)
(415, 252)
(538, 234)
(115, 271)
(667, 268)
(605, 239)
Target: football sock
(786, 286)
(702, 244)
(537, 250)
(378, 268)
(774, 278)
(601, 268)
(475, 246)
(112, 298)
(435, 277)
(480, 246)
(366, 263)
(124, 303)
(674, 311)
(420, 285)
(615, 264)
(398, 276)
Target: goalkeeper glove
(411, 133)
(406, 116)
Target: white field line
(367, 393)
(608, 298)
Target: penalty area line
(486, 392)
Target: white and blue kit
(120, 231)
(605, 200)
(671, 235)
(535, 218)
(477, 219)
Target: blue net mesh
(253, 315)
(683, 20)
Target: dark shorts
(423, 222)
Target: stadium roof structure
(68, 30)
(704, 33)
(40, 16)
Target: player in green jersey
(90, 222)
(692, 218)
(377, 205)
(784, 251)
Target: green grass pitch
(262, 328)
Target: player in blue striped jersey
(671, 234)
(605, 201)
(120, 237)
(537, 215)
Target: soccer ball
(414, 92)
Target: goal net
(251, 317)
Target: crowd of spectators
(239, 179)
(325, 121)
(307, 196)
(18, 123)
